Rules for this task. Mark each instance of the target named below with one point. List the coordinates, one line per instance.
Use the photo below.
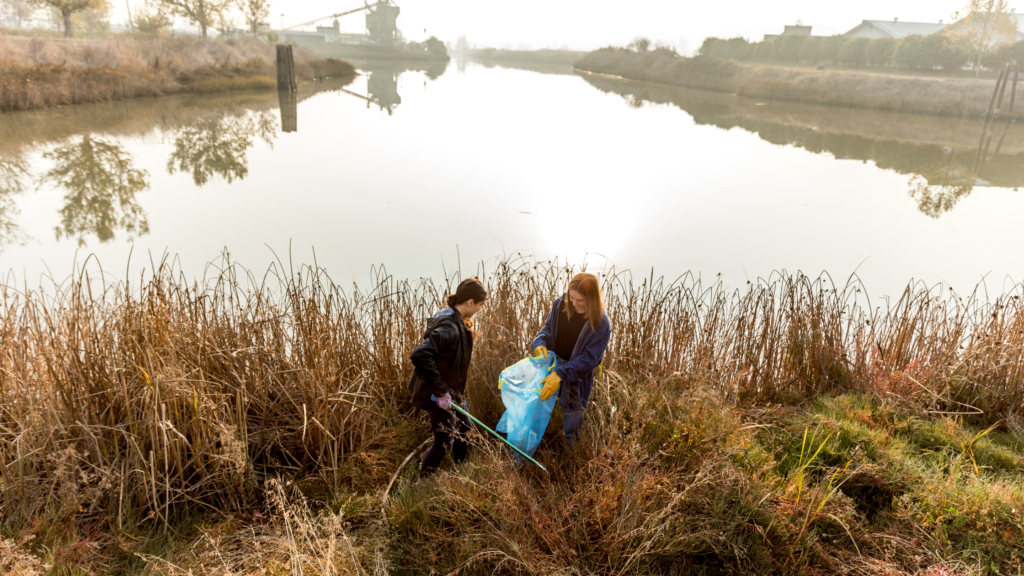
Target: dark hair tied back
(469, 289)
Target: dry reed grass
(145, 403)
(177, 54)
(45, 72)
(917, 95)
(291, 538)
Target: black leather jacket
(442, 359)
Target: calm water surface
(422, 171)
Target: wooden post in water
(988, 115)
(285, 68)
(998, 111)
(1009, 113)
(288, 100)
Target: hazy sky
(594, 23)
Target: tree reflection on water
(933, 151)
(938, 189)
(100, 182)
(936, 199)
(218, 146)
(13, 173)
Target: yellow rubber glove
(551, 384)
(540, 351)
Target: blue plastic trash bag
(526, 416)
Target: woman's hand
(540, 351)
(445, 402)
(551, 384)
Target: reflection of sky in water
(495, 161)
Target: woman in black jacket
(442, 365)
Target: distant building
(797, 30)
(333, 30)
(893, 29)
(307, 39)
(381, 28)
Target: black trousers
(450, 434)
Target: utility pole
(128, 6)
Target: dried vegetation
(43, 72)
(250, 424)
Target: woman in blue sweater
(577, 333)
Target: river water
(427, 171)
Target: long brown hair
(586, 284)
(469, 289)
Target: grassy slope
(670, 482)
(938, 96)
(249, 432)
(46, 72)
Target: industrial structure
(382, 89)
(381, 27)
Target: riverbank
(775, 430)
(564, 57)
(557, 62)
(917, 95)
(47, 72)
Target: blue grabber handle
(495, 434)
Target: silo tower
(382, 21)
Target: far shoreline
(935, 96)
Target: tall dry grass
(176, 54)
(45, 72)
(149, 399)
(916, 95)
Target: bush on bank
(935, 51)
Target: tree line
(986, 35)
(935, 51)
(147, 16)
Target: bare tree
(640, 44)
(68, 7)
(151, 19)
(987, 24)
(255, 12)
(17, 11)
(93, 20)
(225, 23)
(202, 13)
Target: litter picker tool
(493, 433)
